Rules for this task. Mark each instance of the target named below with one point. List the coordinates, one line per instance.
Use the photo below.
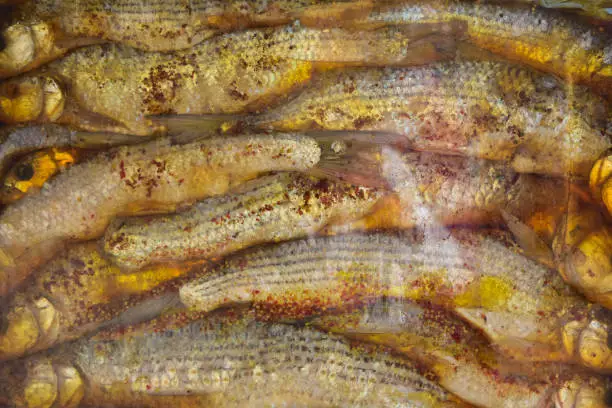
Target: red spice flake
(122, 170)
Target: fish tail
(354, 157)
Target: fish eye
(24, 172)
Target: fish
(269, 209)
(113, 88)
(526, 310)
(484, 109)
(547, 40)
(597, 9)
(432, 190)
(31, 172)
(462, 361)
(83, 290)
(42, 31)
(223, 362)
(154, 177)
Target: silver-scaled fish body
(270, 209)
(226, 364)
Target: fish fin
(331, 15)
(104, 139)
(530, 242)
(352, 157)
(186, 128)
(146, 310)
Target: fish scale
(234, 357)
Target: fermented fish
(44, 30)
(155, 177)
(112, 88)
(490, 110)
(81, 290)
(462, 361)
(269, 209)
(526, 310)
(547, 40)
(222, 362)
(600, 181)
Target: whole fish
(44, 30)
(222, 362)
(82, 290)
(462, 361)
(526, 310)
(490, 110)
(270, 209)
(547, 40)
(112, 88)
(155, 177)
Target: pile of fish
(339, 203)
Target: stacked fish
(343, 203)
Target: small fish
(270, 209)
(547, 40)
(34, 170)
(154, 177)
(526, 310)
(221, 362)
(112, 88)
(462, 361)
(44, 30)
(490, 110)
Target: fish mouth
(17, 49)
(581, 392)
(27, 327)
(31, 99)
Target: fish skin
(154, 25)
(270, 209)
(155, 177)
(529, 313)
(484, 109)
(547, 40)
(457, 354)
(112, 88)
(226, 360)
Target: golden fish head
(17, 49)
(33, 171)
(595, 345)
(27, 326)
(600, 180)
(588, 266)
(40, 382)
(587, 392)
(31, 99)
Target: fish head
(587, 392)
(600, 180)
(33, 171)
(17, 49)
(31, 99)
(26, 326)
(588, 266)
(40, 382)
